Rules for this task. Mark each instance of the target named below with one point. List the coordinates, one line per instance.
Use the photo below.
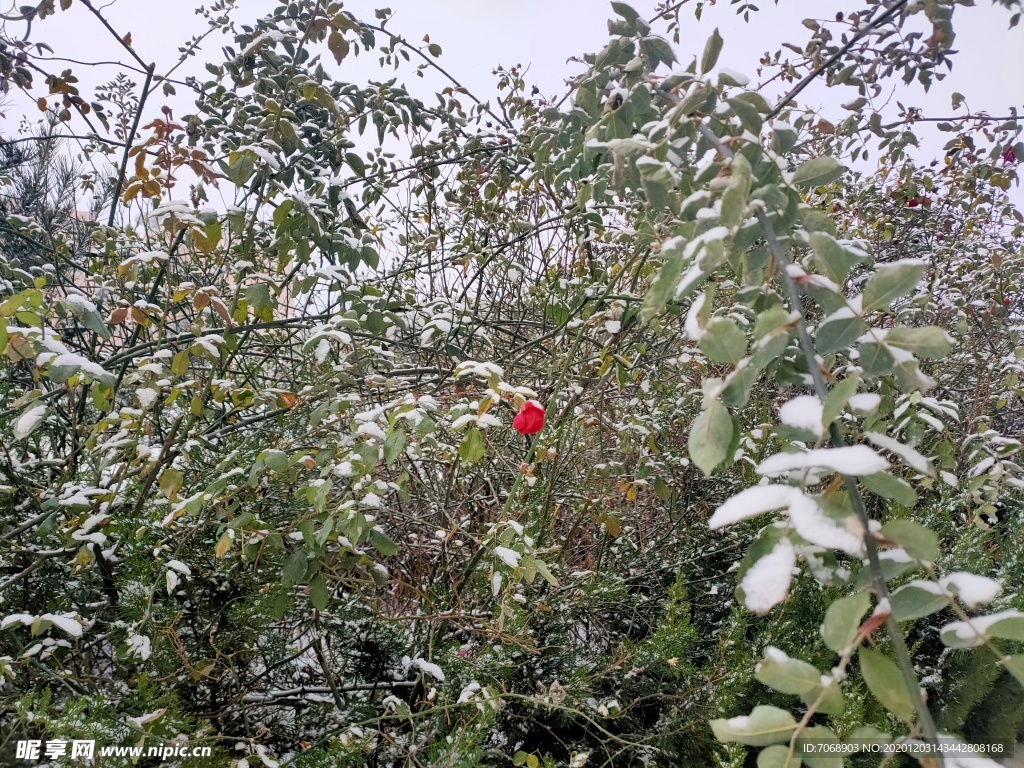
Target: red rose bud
(1009, 156)
(530, 419)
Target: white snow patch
(850, 460)
(803, 412)
(766, 583)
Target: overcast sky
(476, 35)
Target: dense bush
(260, 485)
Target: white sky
(476, 35)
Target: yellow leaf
(223, 546)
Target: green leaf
(734, 200)
(294, 570)
(817, 735)
(93, 321)
(1010, 626)
(626, 12)
(259, 297)
(837, 398)
(929, 341)
(275, 460)
(798, 678)
(658, 51)
(887, 486)
(710, 436)
(749, 117)
(382, 543)
(763, 727)
(818, 171)
(394, 446)
(318, 592)
(889, 283)
(875, 358)
(833, 335)
(834, 260)
(664, 285)
(920, 543)
(724, 341)
(912, 602)
(786, 674)
(472, 448)
(712, 48)
(842, 620)
(170, 482)
(777, 756)
(885, 682)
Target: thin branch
(128, 145)
(813, 74)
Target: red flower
(1009, 156)
(530, 419)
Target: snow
(766, 582)
(737, 77)
(970, 588)
(865, 402)
(814, 526)
(180, 567)
(17, 618)
(691, 326)
(905, 452)
(70, 360)
(66, 622)
(804, 513)
(29, 420)
(803, 412)
(140, 646)
(79, 303)
(973, 632)
(372, 430)
(262, 154)
(430, 668)
(147, 396)
(508, 556)
(462, 421)
(482, 370)
(752, 502)
(849, 460)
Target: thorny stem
(879, 586)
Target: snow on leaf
(865, 402)
(803, 412)
(850, 460)
(813, 525)
(766, 582)
(905, 452)
(752, 502)
(430, 668)
(508, 556)
(972, 589)
(29, 420)
(180, 567)
(66, 622)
